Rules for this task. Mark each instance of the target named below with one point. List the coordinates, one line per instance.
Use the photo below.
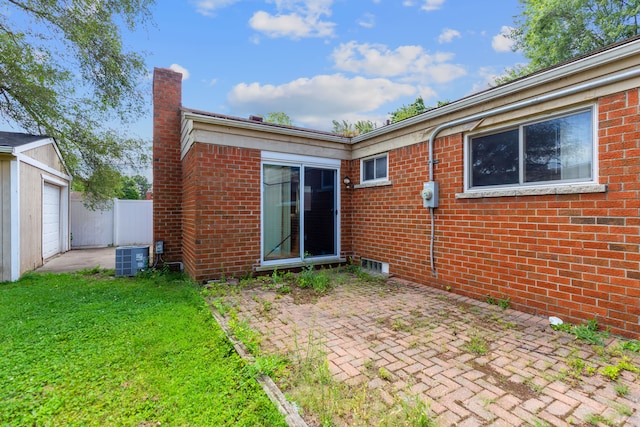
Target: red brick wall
(573, 256)
(221, 211)
(167, 170)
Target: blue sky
(319, 60)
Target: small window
(374, 168)
(549, 151)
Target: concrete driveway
(80, 259)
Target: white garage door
(50, 220)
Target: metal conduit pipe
(505, 109)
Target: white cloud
(501, 42)
(411, 63)
(447, 35)
(430, 5)
(180, 69)
(408, 3)
(318, 100)
(295, 19)
(207, 7)
(368, 20)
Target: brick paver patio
(424, 338)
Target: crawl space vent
(374, 266)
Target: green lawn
(96, 350)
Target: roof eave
(260, 127)
(537, 79)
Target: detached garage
(34, 191)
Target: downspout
(505, 109)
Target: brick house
(532, 192)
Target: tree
(407, 111)
(64, 73)
(128, 189)
(550, 31)
(413, 109)
(279, 118)
(143, 185)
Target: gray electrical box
(430, 194)
(131, 259)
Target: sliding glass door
(299, 212)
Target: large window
(299, 208)
(543, 152)
(374, 168)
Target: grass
(96, 350)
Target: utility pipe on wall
(507, 108)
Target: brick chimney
(167, 168)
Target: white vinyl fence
(126, 222)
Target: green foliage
(349, 129)
(613, 371)
(504, 303)
(132, 187)
(550, 32)
(128, 189)
(406, 111)
(477, 344)
(632, 345)
(318, 280)
(410, 412)
(586, 332)
(621, 389)
(384, 374)
(65, 73)
(279, 118)
(93, 350)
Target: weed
(222, 307)
(490, 300)
(586, 332)
(243, 332)
(596, 419)
(540, 423)
(309, 278)
(532, 385)
(384, 374)
(410, 412)
(504, 303)
(284, 289)
(623, 409)
(577, 365)
(399, 325)
(621, 389)
(477, 344)
(632, 345)
(613, 371)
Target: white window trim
(535, 188)
(284, 159)
(384, 179)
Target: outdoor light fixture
(347, 181)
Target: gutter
(5, 149)
(580, 65)
(260, 127)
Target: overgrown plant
(586, 332)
